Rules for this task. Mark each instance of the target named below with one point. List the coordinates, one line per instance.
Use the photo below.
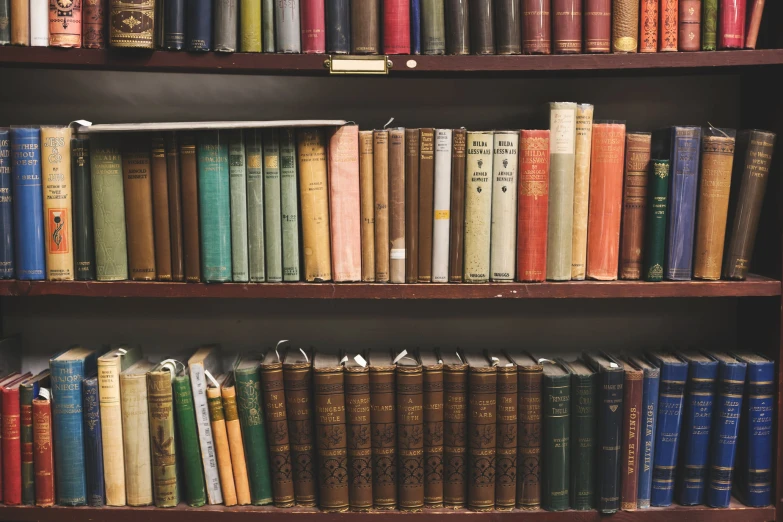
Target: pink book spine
(313, 26)
(344, 206)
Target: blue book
(728, 406)
(27, 194)
(6, 209)
(67, 374)
(754, 462)
(93, 442)
(674, 372)
(214, 207)
(338, 26)
(415, 26)
(649, 417)
(696, 424)
(199, 25)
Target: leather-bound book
(137, 184)
(606, 199)
(365, 33)
(478, 206)
(65, 24)
(367, 202)
(689, 25)
(160, 207)
(732, 23)
(562, 158)
(174, 25)
(583, 426)
(397, 205)
(505, 169)
(633, 385)
(162, 432)
(383, 417)
(584, 143)
(29, 390)
(289, 205)
(256, 242)
(214, 207)
(717, 156)
(635, 198)
(412, 205)
(93, 25)
(43, 451)
(457, 222)
(250, 26)
(287, 27)
(668, 25)
(567, 26)
(410, 431)
(297, 375)
(315, 205)
(222, 451)
(507, 423)
(754, 14)
(190, 215)
(396, 27)
(709, 25)
(268, 25)
(440, 206)
(228, 394)
(426, 201)
(57, 198)
(136, 433)
(457, 27)
(536, 27)
(132, 23)
(433, 27)
(313, 15)
(84, 251)
(598, 25)
(508, 27)
(648, 26)
(7, 268)
(381, 198)
(175, 207)
(556, 436)
(455, 428)
(338, 23)
(749, 178)
(482, 27)
(533, 205)
(625, 26)
(11, 439)
(344, 205)
(416, 26)
(359, 426)
(433, 428)
(273, 219)
(482, 432)
(655, 226)
(330, 436)
(225, 14)
(195, 493)
(199, 25)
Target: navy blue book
(67, 374)
(174, 25)
(27, 195)
(754, 459)
(674, 372)
(415, 26)
(696, 424)
(6, 208)
(650, 387)
(338, 26)
(93, 442)
(681, 146)
(723, 449)
(199, 16)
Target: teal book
(214, 207)
(289, 207)
(238, 186)
(272, 218)
(255, 206)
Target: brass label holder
(350, 64)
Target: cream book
(584, 140)
(136, 434)
(441, 220)
(503, 240)
(478, 206)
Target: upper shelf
(402, 65)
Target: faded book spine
(410, 437)
(754, 14)
(529, 379)
(506, 469)
(344, 204)
(256, 245)
(198, 382)
(384, 437)
(65, 23)
(299, 410)
(43, 455)
(313, 22)
(411, 205)
(457, 212)
(584, 140)
(562, 158)
(536, 27)
(132, 23)
(190, 213)
(637, 168)
(273, 221)
(57, 194)
(482, 436)
(441, 206)
(365, 18)
(689, 25)
(289, 205)
(160, 206)
(433, 27)
(433, 436)
(657, 212)
(426, 201)
(315, 205)
(455, 435)
(84, 238)
(396, 27)
(648, 37)
(359, 426)
(273, 386)
(237, 178)
(137, 184)
(250, 26)
(478, 206)
(136, 440)
(225, 13)
(214, 207)
(12, 448)
(533, 205)
(287, 27)
(367, 201)
(268, 25)
(16, 15)
(503, 236)
(397, 252)
(332, 440)
(93, 24)
(507, 20)
(175, 207)
(598, 26)
(381, 199)
(338, 22)
(668, 26)
(222, 451)
(111, 431)
(457, 27)
(235, 444)
(162, 434)
(567, 26)
(482, 27)
(625, 26)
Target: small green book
(557, 432)
(195, 488)
(657, 214)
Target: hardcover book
(16, 15)
(507, 20)
(132, 23)
(136, 433)
(220, 438)
(39, 22)
(416, 26)
(273, 225)
(228, 394)
(657, 213)
(482, 431)
(457, 211)
(562, 125)
(567, 26)
(584, 141)
(426, 195)
(28, 391)
(397, 254)
(633, 386)
(433, 27)
(190, 212)
(84, 239)
(137, 185)
(214, 196)
(482, 27)
(536, 27)
(199, 25)
(383, 417)
(57, 197)
(268, 25)
(163, 435)
(507, 422)
(365, 36)
(556, 436)
(7, 270)
(410, 431)
(338, 23)
(457, 27)
(367, 204)
(583, 434)
(441, 206)
(344, 205)
(411, 207)
(289, 205)
(315, 205)
(187, 430)
(455, 428)
(160, 206)
(27, 194)
(533, 205)
(598, 26)
(225, 13)
(65, 24)
(754, 13)
(381, 198)
(689, 25)
(433, 428)
(256, 245)
(709, 25)
(503, 233)
(237, 182)
(287, 27)
(647, 424)
(668, 26)
(43, 455)
(359, 426)
(635, 197)
(648, 36)
(297, 378)
(625, 26)
(313, 22)
(174, 25)
(478, 206)
(11, 438)
(396, 27)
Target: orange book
(606, 200)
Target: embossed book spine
(27, 194)
(6, 208)
(315, 205)
(297, 378)
(359, 426)
(478, 206)
(567, 26)
(132, 23)
(556, 435)
(668, 25)
(536, 27)
(457, 212)
(625, 26)
(384, 433)
(237, 181)
(11, 446)
(416, 26)
(482, 432)
(65, 23)
(732, 23)
(562, 157)
(397, 252)
(137, 185)
(338, 23)
(162, 435)
(503, 237)
(426, 202)
(689, 25)
(174, 25)
(583, 147)
(287, 27)
(136, 434)
(365, 35)
(236, 445)
(381, 204)
(441, 205)
(195, 489)
(648, 420)
(433, 27)
(396, 27)
(506, 470)
(273, 224)
(657, 213)
(199, 28)
(313, 21)
(754, 14)
(268, 25)
(508, 27)
(256, 247)
(160, 205)
(411, 206)
(57, 195)
(598, 25)
(482, 27)
(344, 204)
(250, 26)
(635, 197)
(583, 436)
(84, 240)
(93, 444)
(433, 430)
(43, 452)
(633, 385)
(455, 430)
(648, 37)
(222, 451)
(367, 202)
(529, 387)
(749, 178)
(457, 28)
(93, 21)
(274, 408)
(709, 25)
(533, 205)
(28, 390)
(190, 213)
(289, 205)
(410, 434)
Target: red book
(533, 205)
(631, 436)
(43, 460)
(732, 24)
(313, 26)
(756, 10)
(344, 207)
(396, 27)
(12, 440)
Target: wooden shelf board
(754, 286)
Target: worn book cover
(457, 209)
(433, 428)
(567, 26)
(397, 254)
(506, 470)
(136, 433)
(163, 435)
(83, 230)
(367, 204)
(237, 179)
(633, 385)
(273, 226)
(625, 26)
(457, 27)
(344, 204)
(426, 195)
(214, 197)
(289, 205)
(482, 27)
(635, 198)
(533, 205)
(410, 430)
(381, 198)
(27, 192)
(359, 429)
(556, 436)
(57, 206)
(598, 25)
(228, 395)
(160, 206)
(383, 419)
(314, 199)
(313, 24)
(562, 128)
(441, 206)
(503, 235)
(256, 243)
(482, 432)
(190, 211)
(220, 438)
(411, 205)
(584, 140)
(297, 377)
(478, 206)
(455, 428)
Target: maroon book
(396, 27)
(690, 25)
(732, 24)
(536, 27)
(93, 24)
(533, 205)
(567, 16)
(598, 25)
(313, 26)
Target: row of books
(391, 429)
(431, 27)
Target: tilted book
(505, 168)
(397, 254)
(314, 199)
(432, 368)
(635, 200)
(410, 431)
(256, 245)
(359, 426)
(273, 226)
(137, 186)
(214, 197)
(367, 203)
(27, 191)
(455, 429)
(297, 375)
(344, 204)
(93, 443)
(220, 438)
(583, 434)
(562, 157)
(441, 206)
(228, 394)
(136, 433)
(648, 422)
(289, 205)
(58, 209)
(507, 417)
(163, 443)
(237, 182)
(584, 140)
(482, 430)
(478, 206)
(195, 493)
(381, 199)
(384, 430)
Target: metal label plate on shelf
(348, 64)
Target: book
(749, 176)
(367, 202)
(199, 25)
(689, 25)
(482, 430)
(503, 236)
(533, 205)
(441, 204)
(140, 35)
(668, 26)
(160, 397)
(410, 430)
(289, 205)
(18, 17)
(457, 206)
(397, 254)
(381, 204)
(273, 224)
(359, 429)
(214, 197)
(28, 391)
(39, 24)
(195, 493)
(314, 204)
(344, 204)
(507, 421)
(635, 197)
(43, 454)
(190, 209)
(383, 416)
(136, 433)
(83, 237)
(225, 13)
(455, 428)
(338, 23)
(482, 28)
(313, 25)
(536, 27)
(433, 27)
(396, 27)
(297, 373)
(65, 25)
(753, 17)
(11, 438)
(268, 25)
(426, 202)
(250, 26)
(583, 434)
(7, 270)
(598, 26)
(648, 27)
(433, 407)
(567, 26)
(657, 214)
(220, 439)
(256, 247)
(507, 20)
(457, 27)
(625, 26)
(57, 197)
(648, 421)
(709, 25)
(478, 206)
(237, 183)
(411, 206)
(160, 206)
(562, 158)
(583, 148)
(416, 26)
(228, 394)
(174, 25)
(288, 27)
(137, 187)
(93, 443)
(633, 389)
(717, 156)
(556, 436)
(27, 193)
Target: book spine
(667, 434)
(426, 202)
(251, 419)
(65, 24)
(567, 26)
(141, 35)
(433, 27)
(27, 393)
(250, 26)
(457, 28)
(191, 243)
(287, 27)
(273, 225)
(237, 171)
(364, 27)
(396, 27)
(533, 205)
(416, 26)
(93, 444)
(684, 173)
(506, 468)
(313, 26)
(689, 25)
(441, 202)
(536, 27)
(198, 384)
(222, 451)
(256, 247)
(530, 391)
(709, 25)
(329, 402)
(381, 204)
(338, 23)
(27, 193)
(482, 27)
(84, 253)
(315, 205)
(12, 447)
(367, 201)
(598, 25)
(43, 454)
(359, 426)
(657, 213)
(93, 21)
(647, 447)
(289, 205)
(482, 436)
(610, 424)
(455, 430)
(410, 437)
(195, 489)
(754, 14)
(668, 26)
(457, 212)
(397, 254)
(625, 26)
(199, 20)
(556, 446)
(268, 25)
(632, 416)
(237, 447)
(67, 377)
(433, 436)
(19, 18)
(277, 434)
(411, 206)
(299, 400)
(111, 431)
(696, 423)
(5, 22)
(648, 37)
(384, 437)
(583, 144)
(732, 24)
(162, 434)
(508, 27)
(174, 25)
(562, 160)
(137, 185)
(756, 477)
(505, 168)
(583, 438)
(160, 205)
(136, 439)
(214, 207)
(344, 204)
(637, 168)
(478, 206)
(7, 270)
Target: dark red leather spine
(598, 25)
(732, 24)
(533, 205)
(690, 25)
(12, 448)
(567, 26)
(536, 27)
(93, 24)
(43, 454)
(396, 27)
(313, 26)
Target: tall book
(441, 206)
(598, 25)
(287, 27)
(273, 225)
(426, 202)
(381, 198)
(359, 426)
(584, 140)
(174, 25)
(220, 438)
(482, 27)
(195, 493)
(43, 444)
(228, 395)
(27, 194)
(507, 417)
(416, 26)
(533, 205)
(556, 436)
(583, 434)
(668, 26)
(338, 23)
(397, 254)
(57, 197)
(160, 396)
(83, 237)
(562, 125)
(457, 212)
(753, 16)
(160, 206)
(28, 391)
(648, 420)
(237, 183)
(482, 431)
(190, 209)
(503, 236)
(11, 438)
(709, 25)
(256, 247)
(567, 26)
(635, 197)
(268, 26)
(297, 375)
(396, 27)
(136, 433)
(315, 205)
(455, 428)
(657, 213)
(625, 26)
(411, 206)
(344, 203)
(383, 418)
(410, 431)
(457, 27)
(536, 27)
(137, 185)
(633, 388)
(507, 20)
(433, 27)
(289, 205)
(648, 26)
(214, 196)
(6, 208)
(313, 23)
(199, 25)
(367, 203)
(434, 404)
(689, 25)
(125, 33)
(17, 16)
(365, 35)
(478, 206)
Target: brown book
(631, 435)
(482, 27)
(433, 429)
(329, 398)
(668, 26)
(567, 26)
(365, 19)
(381, 197)
(457, 223)
(19, 19)
(367, 205)
(507, 404)
(536, 27)
(508, 26)
(384, 430)
(190, 236)
(598, 25)
(297, 377)
(274, 404)
(314, 202)
(457, 27)
(359, 426)
(426, 202)
(482, 432)
(175, 208)
(412, 205)
(397, 252)
(410, 431)
(637, 167)
(137, 186)
(529, 377)
(455, 428)
(160, 205)
(689, 25)
(625, 26)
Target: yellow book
(58, 221)
(315, 205)
(136, 433)
(235, 444)
(220, 436)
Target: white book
(505, 166)
(478, 206)
(206, 359)
(441, 207)
(39, 23)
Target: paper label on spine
(562, 126)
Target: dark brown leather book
(457, 223)
(330, 436)
(536, 27)
(508, 27)
(506, 467)
(482, 432)
(689, 25)
(357, 405)
(384, 430)
(297, 376)
(632, 433)
(137, 186)
(567, 26)
(637, 167)
(433, 429)
(365, 17)
(455, 428)
(598, 25)
(410, 431)
(457, 27)
(529, 379)
(190, 236)
(160, 207)
(412, 205)
(625, 26)
(482, 27)
(426, 201)
(397, 252)
(175, 208)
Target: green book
(557, 432)
(251, 419)
(190, 452)
(238, 186)
(268, 25)
(583, 437)
(433, 27)
(709, 24)
(289, 207)
(163, 444)
(657, 214)
(255, 206)
(250, 26)
(214, 206)
(272, 217)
